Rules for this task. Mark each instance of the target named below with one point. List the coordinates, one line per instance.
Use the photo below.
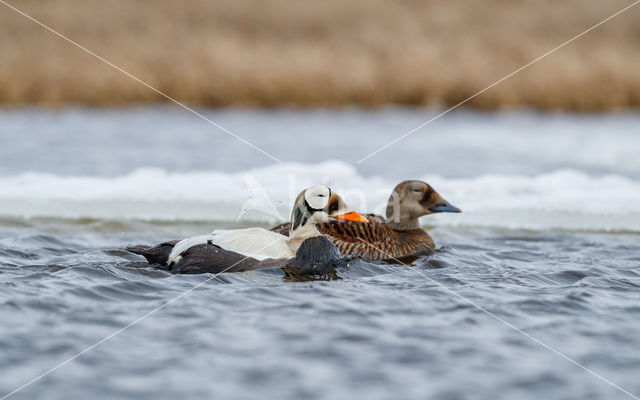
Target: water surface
(548, 242)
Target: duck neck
(398, 216)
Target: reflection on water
(460, 144)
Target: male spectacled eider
(316, 256)
(246, 249)
(397, 236)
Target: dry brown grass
(322, 53)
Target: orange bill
(351, 216)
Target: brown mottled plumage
(396, 237)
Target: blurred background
(277, 53)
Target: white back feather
(257, 243)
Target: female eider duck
(396, 237)
(245, 249)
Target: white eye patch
(317, 196)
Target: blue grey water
(501, 310)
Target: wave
(563, 199)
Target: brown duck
(397, 236)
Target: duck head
(318, 204)
(412, 199)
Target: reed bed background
(322, 53)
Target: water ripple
(382, 331)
